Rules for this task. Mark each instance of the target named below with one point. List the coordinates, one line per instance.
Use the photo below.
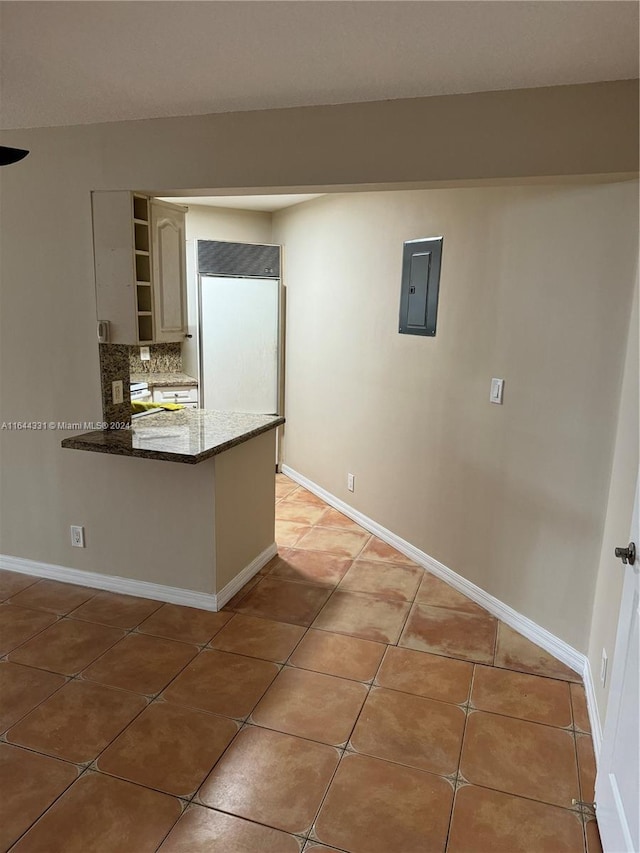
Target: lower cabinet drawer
(176, 394)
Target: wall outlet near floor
(603, 667)
(351, 482)
(117, 392)
(77, 536)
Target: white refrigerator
(239, 344)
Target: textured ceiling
(84, 62)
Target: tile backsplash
(118, 361)
(165, 358)
(114, 365)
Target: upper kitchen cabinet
(168, 252)
(139, 249)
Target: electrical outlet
(603, 668)
(77, 536)
(117, 392)
(145, 354)
(351, 482)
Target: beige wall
(560, 130)
(536, 288)
(608, 587)
(48, 349)
(245, 505)
(221, 223)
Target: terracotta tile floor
(344, 700)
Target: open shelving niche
(142, 260)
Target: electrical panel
(421, 262)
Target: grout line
(32, 636)
(172, 827)
(503, 716)
(193, 660)
(50, 806)
(182, 799)
(462, 740)
(195, 800)
(312, 828)
(299, 836)
(67, 679)
(573, 712)
(73, 614)
(91, 597)
(396, 763)
(82, 766)
(348, 741)
(536, 674)
(584, 818)
(570, 809)
(577, 735)
(35, 580)
(404, 624)
(293, 651)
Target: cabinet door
(169, 271)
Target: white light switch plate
(145, 354)
(497, 387)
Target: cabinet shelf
(145, 328)
(143, 299)
(141, 238)
(142, 252)
(143, 267)
(141, 208)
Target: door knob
(628, 554)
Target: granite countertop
(186, 435)
(163, 379)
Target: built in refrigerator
(239, 308)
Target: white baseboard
(141, 589)
(592, 707)
(111, 583)
(227, 592)
(562, 651)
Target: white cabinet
(168, 249)
(186, 395)
(139, 252)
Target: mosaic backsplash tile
(114, 365)
(165, 358)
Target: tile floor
(344, 700)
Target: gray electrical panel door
(421, 260)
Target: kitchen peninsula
(186, 435)
(227, 495)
